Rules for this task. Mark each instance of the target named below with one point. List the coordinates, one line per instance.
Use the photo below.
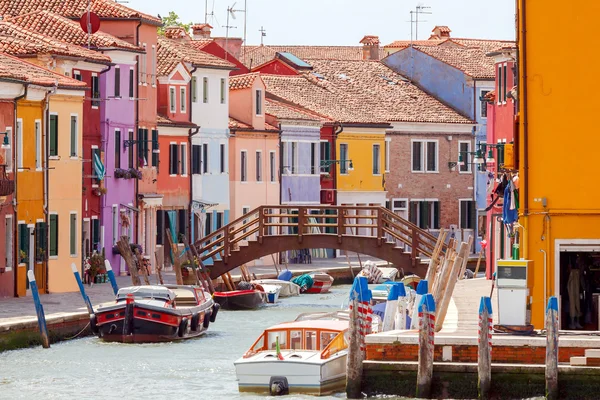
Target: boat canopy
(146, 292)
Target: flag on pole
(279, 355)
(99, 167)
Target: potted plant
(23, 257)
(97, 267)
(134, 173)
(121, 173)
(100, 191)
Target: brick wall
(429, 185)
(468, 353)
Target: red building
(501, 133)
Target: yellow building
(558, 156)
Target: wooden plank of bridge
(125, 251)
(176, 260)
(202, 269)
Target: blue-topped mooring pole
(111, 277)
(422, 289)
(552, 349)
(39, 310)
(484, 348)
(400, 319)
(85, 297)
(426, 308)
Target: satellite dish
(94, 22)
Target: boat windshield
(326, 338)
(311, 340)
(282, 335)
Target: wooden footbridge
(371, 230)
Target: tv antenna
(263, 33)
(231, 13)
(206, 13)
(420, 9)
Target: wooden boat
(240, 299)
(321, 282)
(149, 314)
(305, 356)
(287, 288)
(272, 292)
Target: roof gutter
(137, 122)
(14, 163)
(191, 175)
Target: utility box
(514, 281)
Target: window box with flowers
(100, 191)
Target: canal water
(199, 368)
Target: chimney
(232, 45)
(440, 32)
(176, 32)
(370, 47)
(201, 31)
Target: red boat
(149, 314)
(321, 282)
(240, 299)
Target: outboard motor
(278, 386)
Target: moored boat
(272, 292)
(240, 299)
(287, 288)
(321, 282)
(149, 314)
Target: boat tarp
(304, 281)
(147, 292)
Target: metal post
(85, 297)
(552, 349)
(426, 345)
(39, 310)
(112, 278)
(484, 356)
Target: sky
(343, 22)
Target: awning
(199, 205)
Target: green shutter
(73, 234)
(53, 235)
(23, 243)
(154, 147)
(73, 136)
(194, 89)
(54, 135)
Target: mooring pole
(360, 326)
(39, 310)
(552, 349)
(421, 291)
(85, 297)
(426, 345)
(400, 319)
(111, 276)
(484, 356)
(391, 308)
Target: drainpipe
(522, 65)
(46, 172)
(335, 135)
(15, 170)
(136, 216)
(280, 165)
(191, 134)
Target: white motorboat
(305, 356)
(287, 288)
(272, 292)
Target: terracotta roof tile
(171, 52)
(201, 43)
(105, 9)
(161, 120)
(236, 124)
(244, 81)
(20, 41)
(370, 40)
(56, 26)
(405, 43)
(472, 61)
(484, 44)
(285, 111)
(488, 45)
(20, 70)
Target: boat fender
(183, 325)
(278, 386)
(215, 310)
(206, 321)
(94, 324)
(195, 322)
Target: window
(117, 148)
(483, 103)
(325, 155)
(223, 91)
(38, 144)
(130, 154)
(194, 89)
(245, 210)
(143, 146)
(399, 205)
(40, 241)
(77, 75)
(95, 153)
(95, 91)
(184, 170)
(499, 91)
(387, 155)
(376, 159)
(196, 158)
(259, 102)
(181, 224)
(153, 65)
(222, 158)
(500, 152)
(95, 234)
(219, 220)
(424, 156)
(74, 135)
(155, 154)
(131, 83)
(313, 158)
(23, 244)
(504, 82)
(117, 81)
(272, 166)
(464, 148)
(9, 161)
(285, 156)
(425, 213)
(172, 105)
(294, 157)
(53, 137)
(142, 66)
(343, 158)
(205, 158)
(73, 234)
(467, 214)
(244, 166)
(8, 242)
(182, 99)
(205, 90)
(115, 224)
(208, 224)
(259, 166)
(173, 159)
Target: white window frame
(77, 73)
(315, 167)
(259, 166)
(378, 145)
(55, 257)
(388, 144)
(347, 167)
(205, 90)
(424, 157)
(153, 65)
(117, 72)
(76, 156)
(432, 211)
(129, 77)
(9, 159)
(272, 166)
(142, 67)
(295, 162)
(258, 103)
(483, 103)
(94, 107)
(182, 94)
(183, 158)
(38, 144)
(172, 100)
(19, 146)
(70, 233)
(115, 221)
(223, 91)
(243, 166)
(393, 200)
(466, 158)
(460, 201)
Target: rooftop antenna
(263, 33)
(419, 10)
(206, 13)
(230, 12)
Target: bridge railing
(341, 221)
